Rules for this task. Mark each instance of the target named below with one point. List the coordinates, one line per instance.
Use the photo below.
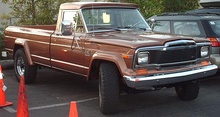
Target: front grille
(173, 54)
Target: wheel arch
(101, 57)
(23, 43)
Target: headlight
(143, 58)
(204, 51)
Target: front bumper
(140, 82)
(215, 59)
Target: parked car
(208, 7)
(193, 25)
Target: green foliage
(148, 7)
(153, 7)
(179, 5)
(5, 19)
(33, 12)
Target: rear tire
(108, 88)
(188, 90)
(21, 67)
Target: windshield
(113, 19)
(215, 25)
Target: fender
(111, 57)
(24, 43)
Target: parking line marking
(86, 100)
(11, 110)
(48, 106)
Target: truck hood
(132, 40)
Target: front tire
(108, 88)
(21, 67)
(188, 90)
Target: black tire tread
(30, 71)
(109, 88)
(189, 90)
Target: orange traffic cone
(73, 110)
(22, 110)
(3, 101)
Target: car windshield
(109, 19)
(215, 25)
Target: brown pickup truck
(112, 43)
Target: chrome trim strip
(45, 58)
(63, 62)
(10, 37)
(8, 49)
(168, 64)
(53, 44)
(171, 75)
(71, 64)
(203, 44)
(47, 43)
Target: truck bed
(37, 36)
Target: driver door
(67, 50)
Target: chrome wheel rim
(20, 66)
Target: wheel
(108, 88)
(21, 67)
(188, 90)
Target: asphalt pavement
(52, 92)
(7, 64)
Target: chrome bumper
(170, 78)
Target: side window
(161, 26)
(215, 25)
(79, 27)
(72, 19)
(188, 28)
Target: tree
(179, 5)
(148, 7)
(153, 7)
(33, 12)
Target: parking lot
(51, 94)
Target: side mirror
(152, 23)
(67, 28)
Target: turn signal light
(125, 56)
(204, 63)
(141, 71)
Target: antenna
(93, 27)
